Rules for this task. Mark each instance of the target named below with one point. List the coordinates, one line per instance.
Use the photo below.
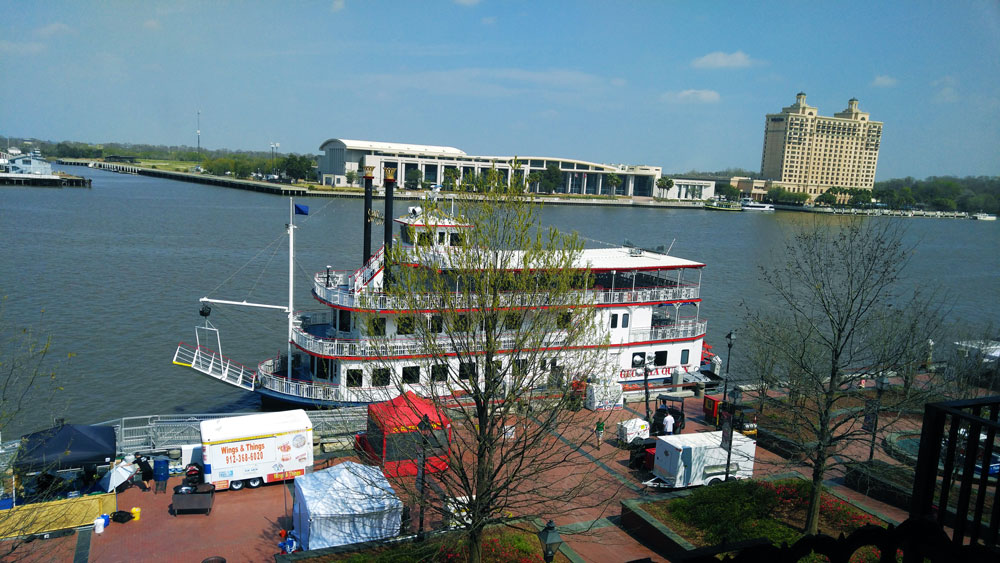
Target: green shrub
(728, 512)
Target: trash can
(161, 472)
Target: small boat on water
(649, 302)
(982, 217)
(721, 204)
(748, 204)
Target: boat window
(354, 378)
(520, 367)
(439, 372)
(380, 377)
(437, 324)
(411, 374)
(684, 356)
(614, 320)
(406, 234)
(624, 320)
(405, 325)
(377, 327)
(322, 367)
(441, 237)
(466, 370)
(456, 239)
(425, 238)
(344, 321)
(661, 358)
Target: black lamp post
(639, 361)
(729, 354)
(425, 428)
(881, 384)
(327, 275)
(550, 540)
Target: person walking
(599, 431)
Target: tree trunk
(815, 494)
(475, 545)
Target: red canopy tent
(393, 439)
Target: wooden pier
(44, 180)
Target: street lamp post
(639, 361)
(550, 541)
(729, 354)
(881, 384)
(425, 428)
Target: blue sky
(683, 85)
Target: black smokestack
(390, 181)
(368, 213)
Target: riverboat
(721, 204)
(983, 217)
(747, 204)
(648, 301)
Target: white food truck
(686, 460)
(255, 449)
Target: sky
(680, 84)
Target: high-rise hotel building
(805, 152)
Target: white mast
(291, 292)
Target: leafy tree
(501, 357)
(352, 177)
(664, 183)
(840, 309)
(613, 180)
(534, 178)
(551, 179)
(730, 192)
(413, 178)
(297, 167)
(828, 197)
(450, 178)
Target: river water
(114, 273)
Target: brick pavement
(244, 525)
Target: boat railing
(382, 347)
(211, 363)
(343, 295)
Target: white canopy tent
(345, 504)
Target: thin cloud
(691, 97)
(718, 59)
(26, 48)
(151, 24)
(884, 81)
(947, 89)
(466, 2)
(337, 5)
(489, 20)
(56, 28)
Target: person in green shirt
(599, 431)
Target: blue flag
(301, 209)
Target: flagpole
(291, 294)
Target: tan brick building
(806, 152)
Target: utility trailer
(251, 450)
(688, 460)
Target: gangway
(214, 365)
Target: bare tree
(504, 326)
(27, 380)
(836, 312)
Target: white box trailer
(686, 460)
(255, 449)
